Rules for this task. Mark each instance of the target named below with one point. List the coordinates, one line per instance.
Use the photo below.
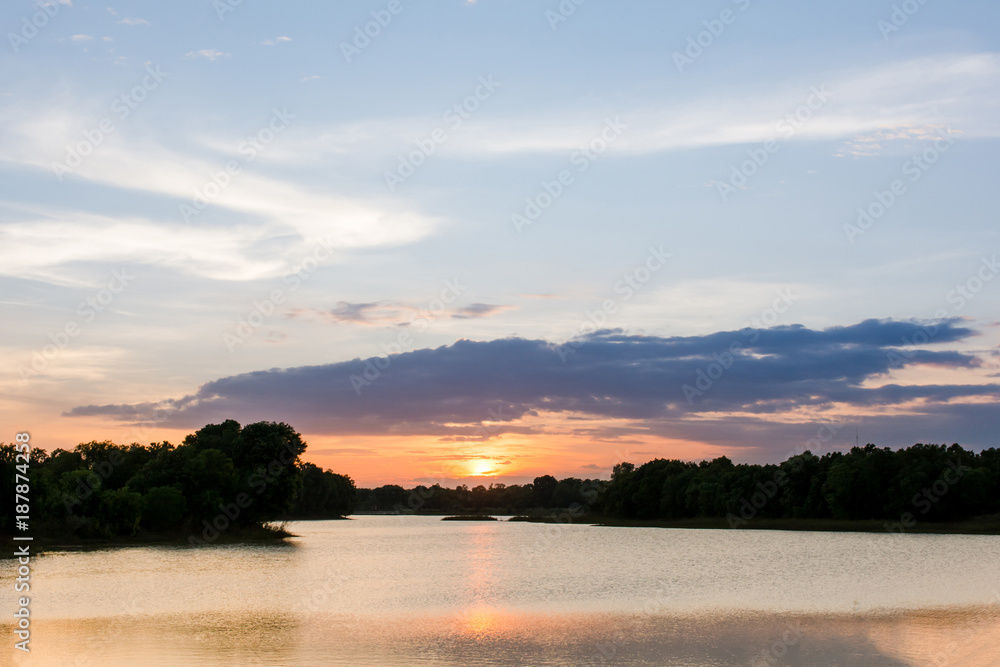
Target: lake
(384, 590)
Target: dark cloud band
(450, 391)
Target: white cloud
(905, 137)
(82, 38)
(311, 77)
(957, 91)
(71, 237)
(272, 208)
(211, 54)
(134, 21)
(276, 40)
(90, 363)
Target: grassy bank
(267, 533)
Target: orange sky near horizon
(374, 460)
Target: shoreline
(974, 527)
(981, 526)
(276, 535)
(814, 525)
(46, 543)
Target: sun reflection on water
(481, 564)
(482, 622)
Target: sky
(475, 242)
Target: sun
(481, 468)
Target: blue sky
(242, 207)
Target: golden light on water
(481, 622)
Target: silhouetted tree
(250, 474)
(324, 494)
(543, 488)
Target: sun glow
(482, 621)
(482, 468)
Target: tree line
(223, 476)
(544, 493)
(934, 483)
(228, 476)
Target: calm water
(381, 590)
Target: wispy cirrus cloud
(957, 90)
(954, 91)
(900, 138)
(394, 313)
(210, 54)
(73, 239)
(293, 215)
